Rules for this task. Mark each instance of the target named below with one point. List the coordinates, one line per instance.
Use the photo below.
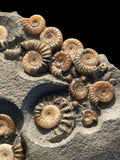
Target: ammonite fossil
(52, 36)
(11, 152)
(89, 117)
(35, 24)
(78, 89)
(85, 61)
(37, 59)
(61, 62)
(7, 126)
(101, 91)
(72, 46)
(55, 112)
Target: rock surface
(19, 93)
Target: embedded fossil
(89, 117)
(37, 59)
(72, 46)
(3, 35)
(101, 91)
(78, 89)
(86, 60)
(35, 24)
(11, 152)
(55, 112)
(12, 53)
(75, 103)
(7, 126)
(61, 62)
(52, 36)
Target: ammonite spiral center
(88, 59)
(50, 36)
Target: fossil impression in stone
(55, 112)
(78, 89)
(11, 152)
(35, 24)
(72, 46)
(37, 58)
(89, 117)
(3, 35)
(52, 36)
(7, 126)
(101, 91)
(61, 62)
(85, 61)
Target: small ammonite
(55, 112)
(89, 117)
(101, 91)
(35, 24)
(7, 126)
(11, 152)
(52, 36)
(85, 61)
(61, 62)
(72, 46)
(78, 89)
(37, 59)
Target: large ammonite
(11, 152)
(101, 91)
(37, 58)
(61, 62)
(55, 112)
(7, 126)
(52, 36)
(78, 89)
(35, 24)
(85, 61)
(72, 46)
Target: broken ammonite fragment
(61, 62)
(3, 33)
(78, 89)
(52, 36)
(89, 117)
(85, 61)
(72, 46)
(7, 126)
(35, 24)
(101, 91)
(56, 113)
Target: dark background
(95, 24)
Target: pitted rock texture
(20, 92)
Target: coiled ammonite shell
(78, 89)
(7, 126)
(85, 61)
(61, 62)
(35, 24)
(55, 112)
(52, 36)
(9, 152)
(101, 91)
(89, 117)
(37, 59)
(72, 46)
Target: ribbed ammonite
(101, 91)
(11, 152)
(61, 62)
(37, 58)
(35, 24)
(52, 36)
(89, 117)
(7, 126)
(72, 46)
(85, 61)
(78, 89)
(55, 112)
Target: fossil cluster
(44, 51)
